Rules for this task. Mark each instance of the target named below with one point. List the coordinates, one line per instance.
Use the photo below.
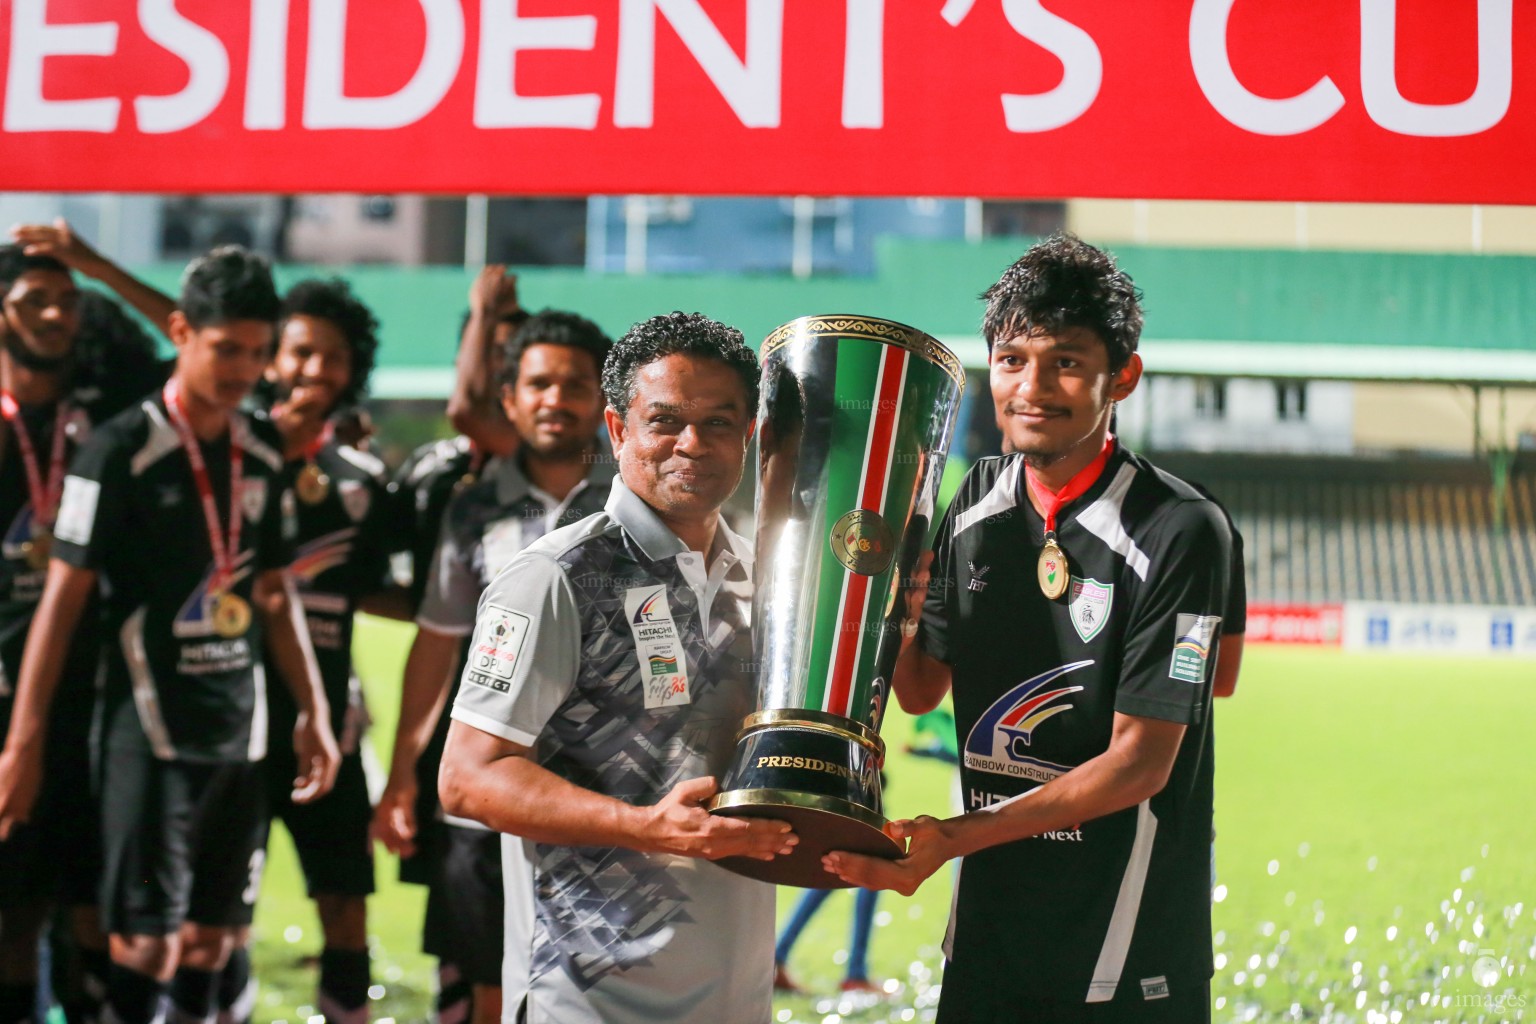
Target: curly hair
(331, 300)
(553, 327)
(1060, 283)
(668, 334)
(228, 283)
(14, 262)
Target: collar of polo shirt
(658, 542)
(513, 485)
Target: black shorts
(330, 834)
(1184, 1004)
(55, 858)
(465, 924)
(181, 841)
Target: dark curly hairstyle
(1064, 282)
(14, 262)
(670, 333)
(228, 283)
(554, 327)
(331, 300)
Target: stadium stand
(1414, 530)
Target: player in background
(336, 522)
(551, 393)
(173, 509)
(68, 360)
(419, 494)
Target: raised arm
(474, 408)
(60, 241)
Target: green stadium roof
(1210, 312)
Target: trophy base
(823, 824)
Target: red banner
(1383, 100)
(1313, 624)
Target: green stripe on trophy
(858, 369)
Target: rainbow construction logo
(662, 666)
(1192, 639)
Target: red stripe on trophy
(874, 478)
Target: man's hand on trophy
(679, 824)
(928, 847)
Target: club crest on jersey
(253, 497)
(999, 741)
(18, 534)
(1088, 604)
(1192, 639)
(355, 498)
(978, 582)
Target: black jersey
(419, 495)
(172, 684)
(1118, 907)
(21, 583)
(340, 546)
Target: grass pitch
(1376, 827)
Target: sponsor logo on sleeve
(659, 649)
(77, 510)
(1192, 638)
(1154, 988)
(1088, 604)
(493, 654)
(1000, 740)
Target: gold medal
(1052, 569)
(39, 547)
(231, 615)
(312, 484)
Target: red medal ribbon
(45, 500)
(1052, 501)
(223, 556)
(313, 448)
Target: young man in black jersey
(60, 373)
(336, 521)
(173, 509)
(1075, 605)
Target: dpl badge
(663, 668)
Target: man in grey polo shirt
(608, 672)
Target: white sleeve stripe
(485, 723)
(1000, 498)
(438, 627)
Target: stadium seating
(1419, 530)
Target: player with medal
(1075, 612)
(337, 522)
(173, 510)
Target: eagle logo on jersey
(999, 741)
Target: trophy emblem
(855, 419)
